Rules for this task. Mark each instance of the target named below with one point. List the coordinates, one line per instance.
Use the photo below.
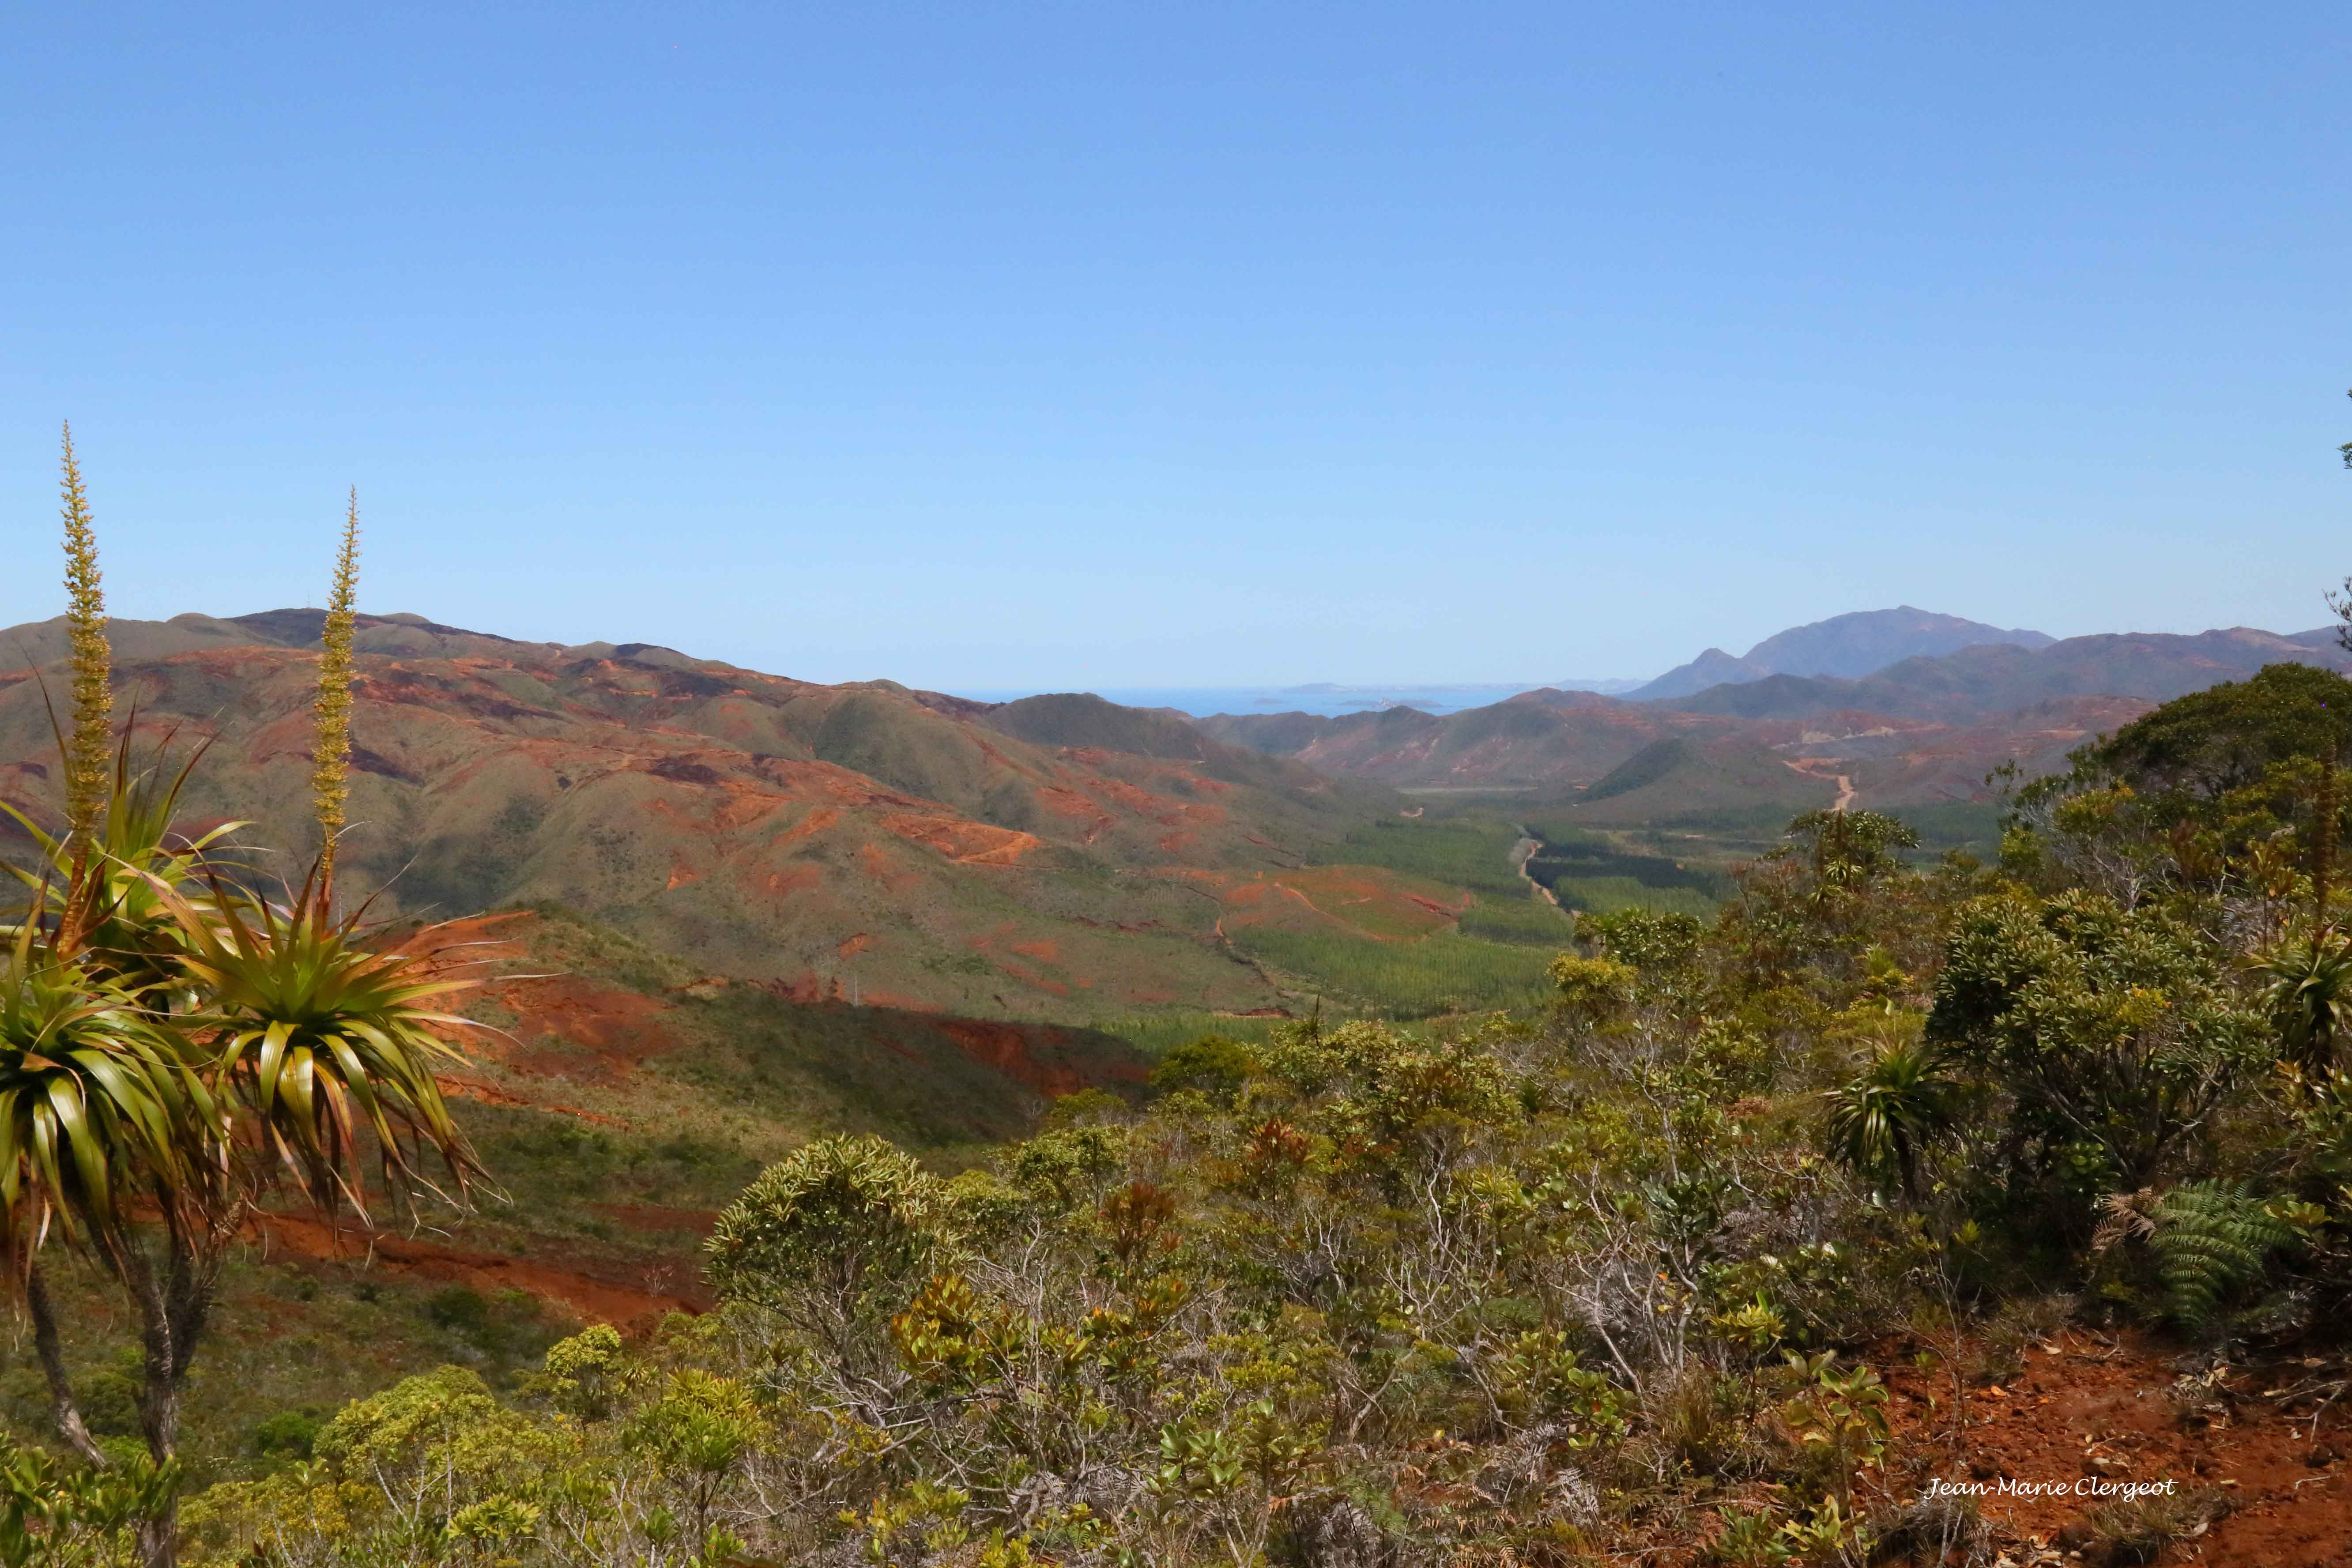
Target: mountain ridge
(1926, 730)
(1055, 858)
(1850, 646)
(2153, 667)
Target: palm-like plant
(1885, 1119)
(323, 1043)
(174, 1048)
(2308, 990)
(277, 1044)
(101, 1107)
(109, 905)
(100, 1102)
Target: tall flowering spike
(90, 747)
(330, 755)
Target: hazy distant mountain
(1713, 668)
(1925, 730)
(41, 642)
(1868, 640)
(2152, 667)
(1849, 646)
(1323, 696)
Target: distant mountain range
(1924, 729)
(1315, 697)
(1058, 853)
(1844, 647)
(2154, 667)
(1849, 646)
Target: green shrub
(1212, 1064)
(505, 1326)
(834, 1239)
(288, 1435)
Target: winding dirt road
(1521, 853)
(1846, 785)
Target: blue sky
(1063, 345)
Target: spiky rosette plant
(103, 1111)
(2307, 988)
(1883, 1120)
(174, 1048)
(323, 1043)
(102, 1105)
(110, 906)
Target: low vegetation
(1582, 1252)
(1448, 973)
(1542, 1284)
(1597, 873)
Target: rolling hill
(1054, 858)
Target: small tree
(2110, 1035)
(832, 1239)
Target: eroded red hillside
(888, 844)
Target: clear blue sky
(1049, 345)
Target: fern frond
(2124, 1216)
(2212, 1239)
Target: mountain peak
(1859, 643)
(1865, 641)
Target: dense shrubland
(1606, 1273)
(1530, 1287)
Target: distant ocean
(1321, 698)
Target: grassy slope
(1492, 954)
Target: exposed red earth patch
(2267, 1436)
(461, 1088)
(572, 1026)
(1023, 1052)
(595, 1291)
(966, 843)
